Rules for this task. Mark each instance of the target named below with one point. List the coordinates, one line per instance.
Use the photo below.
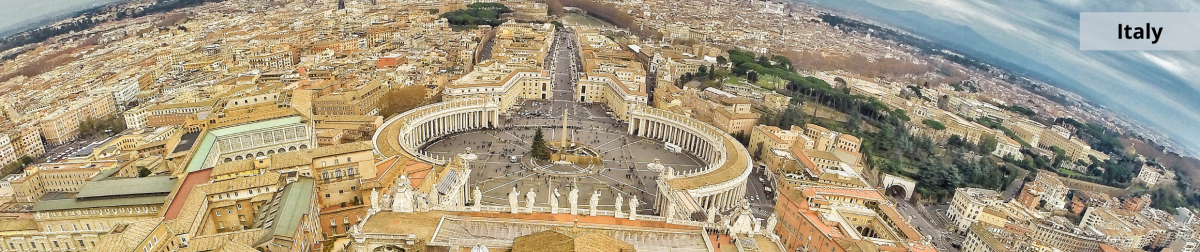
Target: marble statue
(771, 222)
(374, 200)
(403, 202)
(670, 211)
(595, 200)
(477, 197)
(423, 203)
(512, 200)
(432, 199)
(617, 210)
(573, 199)
(633, 204)
(554, 201)
(387, 200)
(529, 199)
(670, 173)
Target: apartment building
(969, 204)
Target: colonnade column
(642, 127)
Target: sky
(1159, 88)
(17, 11)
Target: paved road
(762, 203)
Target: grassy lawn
(1069, 172)
(733, 80)
(770, 82)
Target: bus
(672, 147)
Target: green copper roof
(289, 209)
(126, 186)
(64, 204)
(206, 144)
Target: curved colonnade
(720, 184)
(404, 134)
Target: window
(239, 206)
(218, 213)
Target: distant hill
(1188, 169)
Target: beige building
(982, 238)
(174, 114)
(1046, 187)
(1122, 228)
(771, 137)
(62, 126)
(1059, 233)
(8, 152)
(1007, 147)
(610, 75)
(1148, 175)
(27, 141)
(1028, 130)
(969, 204)
(736, 116)
(1075, 149)
(513, 72)
(37, 180)
(339, 170)
(77, 222)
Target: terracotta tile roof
(232, 167)
(901, 223)
(189, 210)
(218, 241)
(269, 178)
(133, 233)
(183, 193)
(867, 194)
(340, 149)
(566, 240)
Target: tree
(554, 7)
(900, 114)
(26, 160)
(933, 124)
(988, 144)
(752, 77)
(840, 81)
(793, 115)
(1059, 156)
(539, 149)
(143, 172)
(721, 60)
(397, 101)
